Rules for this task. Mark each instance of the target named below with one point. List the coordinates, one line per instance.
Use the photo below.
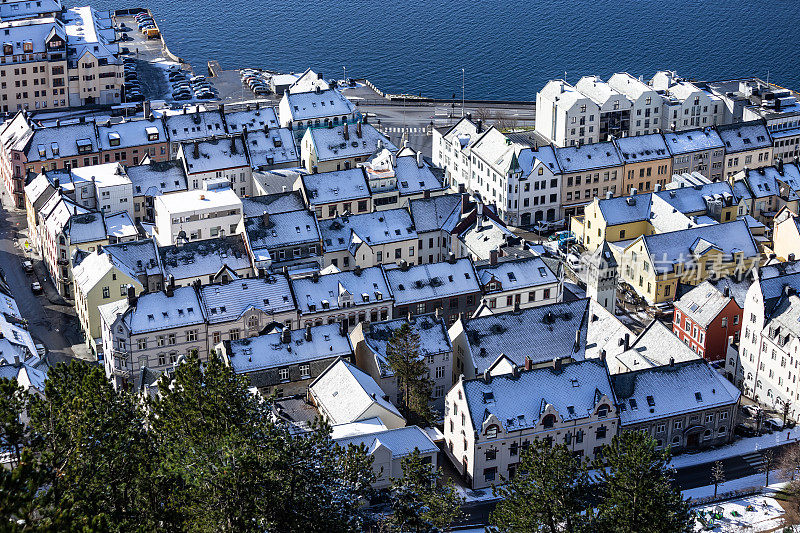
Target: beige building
(491, 420)
(340, 147)
(747, 145)
(151, 332)
(682, 405)
(648, 163)
(588, 171)
(786, 235)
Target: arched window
(603, 410)
(548, 421)
(491, 432)
(707, 433)
(676, 439)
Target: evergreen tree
(92, 446)
(420, 502)
(403, 354)
(13, 431)
(547, 494)
(638, 496)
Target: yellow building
(786, 235)
(99, 280)
(654, 264)
(647, 163)
(626, 218)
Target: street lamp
(462, 92)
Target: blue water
(507, 49)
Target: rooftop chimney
(358, 130)
(557, 364)
(265, 218)
(528, 363)
(493, 257)
(131, 295)
(420, 160)
(726, 291)
(626, 342)
(308, 332)
(577, 346)
(346, 132)
(196, 151)
(286, 335)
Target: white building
(197, 214)
(223, 157)
(646, 103)
(615, 107)
(565, 116)
(686, 105)
(298, 110)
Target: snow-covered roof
(671, 390)
(94, 266)
(432, 332)
(62, 141)
(765, 181)
(120, 225)
(155, 311)
(309, 81)
(415, 176)
(588, 157)
(400, 441)
(253, 119)
(515, 274)
(204, 258)
(684, 142)
(281, 202)
(703, 303)
(198, 200)
(140, 257)
(26, 9)
(282, 229)
(229, 301)
(563, 93)
(655, 346)
(642, 148)
(331, 144)
(188, 126)
(744, 136)
(90, 32)
(34, 31)
(432, 281)
(436, 213)
(157, 177)
(128, 133)
(600, 92)
(683, 246)
(539, 333)
(574, 392)
(628, 85)
(336, 186)
(268, 351)
(604, 332)
(271, 148)
(380, 227)
(485, 235)
(362, 287)
(215, 154)
(103, 175)
(317, 104)
(344, 393)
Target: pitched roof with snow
(432, 332)
(540, 334)
(432, 281)
(684, 142)
(437, 213)
(588, 157)
(313, 104)
(574, 392)
(515, 274)
(336, 186)
(400, 441)
(354, 287)
(380, 227)
(671, 390)
(344, 393)
(157, 177)
(229, 301)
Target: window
(191, 335)
(491, 455)
(491, 432)
(160, 340)
(601, 432)
(489, 474)
(283, 374)
(513, 449)
(141, 344)
(106, 292)
(305, 371)
(678, 424)
(171, 339)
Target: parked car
(744, 431)
(195, 79)
(181, 96)
(774, 423)
(574, 262)
(36, 287)
(27, 266)
(751, 410)
(40, 349)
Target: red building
(709, 317)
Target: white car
(574, 262)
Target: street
(51, 321)
(690, 477)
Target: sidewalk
(739, 447)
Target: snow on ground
(754, 513)
(755, 482)
(739, 447)
(479, 495)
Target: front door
(693, 440)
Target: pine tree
(403, 354)
(547, 494)
(638, 496)
(92, 445)
(13, 431)
(420, 501)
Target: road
(51, 323)
(685, 478)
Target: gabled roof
(364, 287)
(574, 392)
(229, 301)
(344, 393)
(380, 227)
(336, 186)
(588, 157)
(744, 136)
(437, 213)
(684, 142)
(204, 258)
(671, 390)
(539, 333)
(432, 281)
(515, 274)
(432, 332)
(317, 104)
(400, 441)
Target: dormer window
(548, 421)
(113, 139)
(152, 133)
(491, 432)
